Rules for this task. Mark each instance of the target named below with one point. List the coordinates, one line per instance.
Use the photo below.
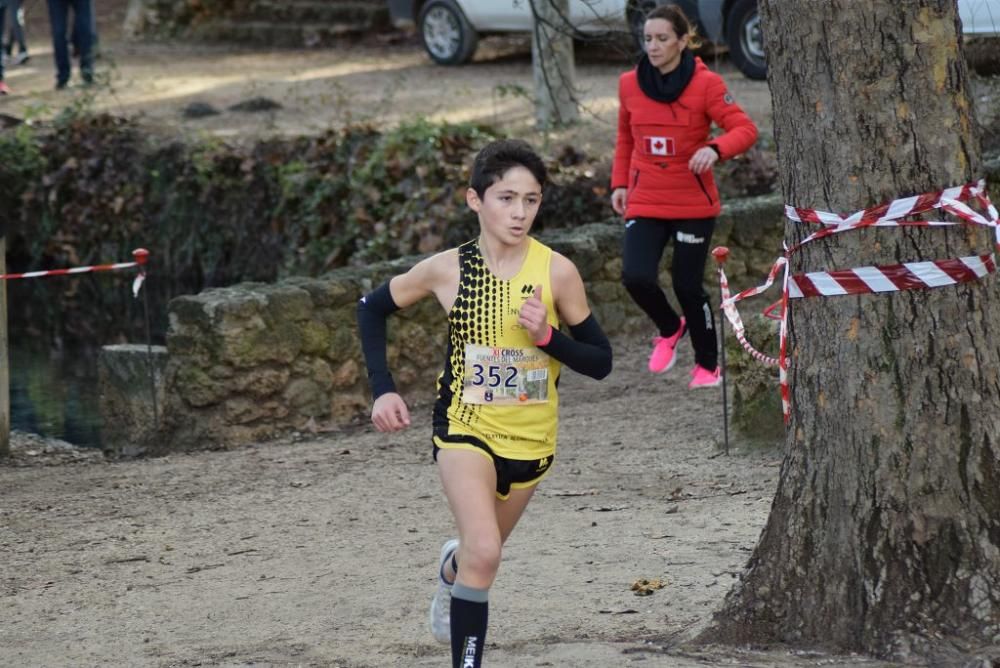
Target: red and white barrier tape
(891, 278)
(867, 280)
(893, 213)
(729, 307)
(141, 255)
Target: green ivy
(89, 189)
(20, 159)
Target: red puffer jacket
(656, 140)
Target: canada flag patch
(659, 145)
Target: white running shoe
(441, 603)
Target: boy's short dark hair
(500, 156)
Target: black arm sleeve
(373, 309)
(588, 352)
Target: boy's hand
(389, 413)
(533, 316)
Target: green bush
(91, 188)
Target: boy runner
(495, 418)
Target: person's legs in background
(16, 12)
(691, 243)
(74, 40)
(645, 240)
(8, 40)
(83, 30)
(58, 15)
(93, 29)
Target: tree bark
(553, 64)
(884, 534)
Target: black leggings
(645, 240)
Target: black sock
(469, 614)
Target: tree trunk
(884, 534)
(552, 64)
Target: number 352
(494, 376)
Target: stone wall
(254, 361)
(127, 377)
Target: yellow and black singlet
(496, 386)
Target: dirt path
(321, 552)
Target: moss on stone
(197, 388)
(316, 338)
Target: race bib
(505, 376)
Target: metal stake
(141, 256)
(721, 254)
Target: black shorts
(511, 473)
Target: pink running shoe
(662, 357)
(702, 377)
(4, 89)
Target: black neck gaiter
(665, 87)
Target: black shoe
(61, 85)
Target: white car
(451, 29)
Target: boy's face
(509, 206)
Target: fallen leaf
(644, 587)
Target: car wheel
(448, 36)
(745, 39)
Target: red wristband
(545, 339)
